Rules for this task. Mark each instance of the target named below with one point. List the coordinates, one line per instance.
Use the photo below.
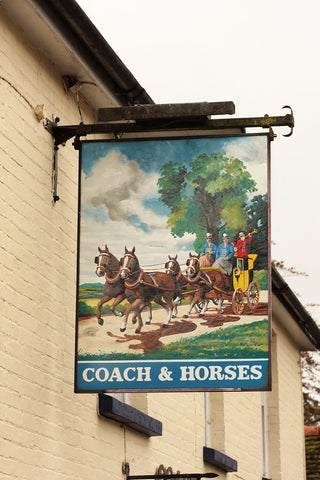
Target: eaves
(292, 314)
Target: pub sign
(173, 290)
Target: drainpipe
(265, 436)
(207, 413)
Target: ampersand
(165, 375)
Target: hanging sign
(173, 286)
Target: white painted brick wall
(48, 432)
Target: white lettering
(102, 374)
(85, 374)
(143, 372)
(205, 374)
(215, 370)
(116, 375)
(243, 372)
(126, 374)
(185, 372)
(256, 373)
(220, 372)
(230, 372)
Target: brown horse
(173, 268)
(203, 282)
(109, 267)
(141, 288)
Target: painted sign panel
(173, 265)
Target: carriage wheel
(238, 301)
(253, 295)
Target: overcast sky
(120, 202)
(260, 55)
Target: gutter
(294, 307)
(85, 40)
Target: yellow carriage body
(243, 286)
(241, 275)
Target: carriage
(243, 286)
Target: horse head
(193, 265)
(105, 261)
(129, 264)
(172, 266)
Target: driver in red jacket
(241, 245)
(241, 248)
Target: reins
(139, 281)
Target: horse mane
(205, 261)
(114, 263)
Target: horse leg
(116, 302)
(103, 300)
(133, 306)
(196, 297)
(136, 313)
(176, 302)
(140, 324)
(169, 307)
(195, 309)
(148, 304)
(204, 308)
(174, 311)
(219, 306)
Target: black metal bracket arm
(163, 473)
(160, 118)
(141, 119)
(174, 476)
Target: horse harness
(139, 280)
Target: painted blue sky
(119, 194)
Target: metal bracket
(167, 123)
(163, 473)
(161, 118)
(182, 476)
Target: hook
(291, 125)
(271, 135)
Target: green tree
(209, 196)
(311, 389)
(256, 212)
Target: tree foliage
(257, 218)
(212, 195)
(311, 388)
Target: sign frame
(166, 374)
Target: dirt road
(93, 338)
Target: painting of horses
(173, 274)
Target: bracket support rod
(63, 133)
(189, 476)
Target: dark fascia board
(219, 460)
(76, 28)
(121, 412)
(294, 307)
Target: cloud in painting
(253, 154)
(152, 247)
(121, 186)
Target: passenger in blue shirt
(224, 256)
(209, 248)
